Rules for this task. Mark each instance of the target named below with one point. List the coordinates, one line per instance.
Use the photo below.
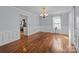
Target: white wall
(77, 31)
(71, 27)
(77, 27)
(65, 23)
(10, 24)
(33, 24)
(46, 25)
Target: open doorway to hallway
(23, 25)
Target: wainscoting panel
(9, 36)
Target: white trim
(9, 36)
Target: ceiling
(51, 9)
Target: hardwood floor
(41, 42)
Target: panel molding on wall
(9, 36)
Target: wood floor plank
(41, 42)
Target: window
(57, 22)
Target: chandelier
(43, 12)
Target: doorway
(23, 25)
